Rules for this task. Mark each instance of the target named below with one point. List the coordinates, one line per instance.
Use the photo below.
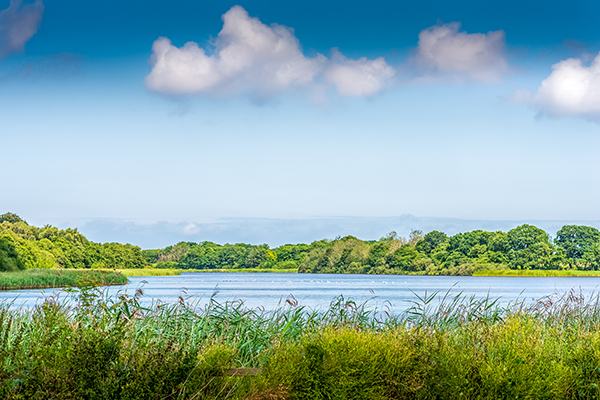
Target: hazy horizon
(276, 232)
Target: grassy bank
(100, 348)
(246, 270)
(51, 278)
(149, 272)
(537, 272)
(497, 272)
(173, 271)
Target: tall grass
(51, 278)
(443, 347)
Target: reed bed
(443, 347)
(53, 278)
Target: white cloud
(360, 77)
(442, 49)
(251, 56)
(18, 23)
(572, 89)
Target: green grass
(51, 278)
(242, 270)
(498, 272)
(537, 272)
(173, 271)
(100, 347)
(149, 272)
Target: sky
(152, 122)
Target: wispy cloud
(249, 56)
(443, 51)
(18, 23)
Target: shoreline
(52, 278)
(535, 273)
(58, 278)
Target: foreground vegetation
(44, 278)
(526, 247)
(449, 348)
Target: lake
(316, 291)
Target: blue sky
(297, 111)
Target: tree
(525, 236)
(431, 241)
(11, 218)
(530, 247)
(9, 258)
(592, 256)
(378, 253)
(577, 240)
(403, 258)
(415, 237)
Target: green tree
(378, 253)
(530, 247)
(430, 241)
(9, 258)
(524, 236)
(576, 240)
(11, 218)
(591, 256)
(404, 258)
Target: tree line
(23, 246)
(524, 247)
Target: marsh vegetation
(100, 347)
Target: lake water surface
(316, 291)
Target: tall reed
(444, 347)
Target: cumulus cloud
(251, 56)
(442, 49)
(572, 89)
(360, 77)
(18, 23)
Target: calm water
(317, 291)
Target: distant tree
(403, 258)
(10, 217)
(9, 258)
(378, 252)
(591, 257)
(577, 240)
(525, 236)
(415, 237)
(430, 241)
(530, 247)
